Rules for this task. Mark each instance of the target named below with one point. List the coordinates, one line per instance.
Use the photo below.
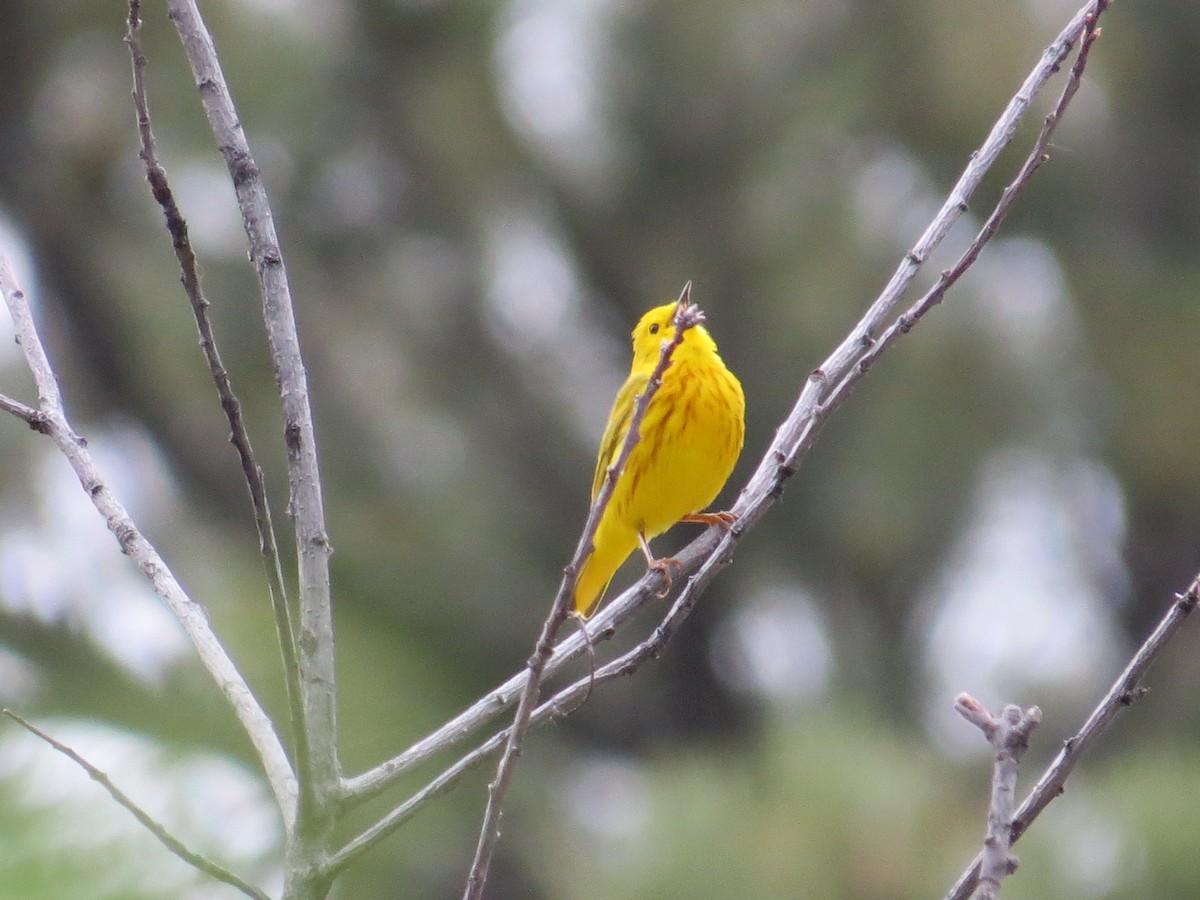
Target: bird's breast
(690, 440)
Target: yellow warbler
(690, 439)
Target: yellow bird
(691, 437)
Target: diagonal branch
(306, 506)
(600, 627)
(824, 389)
(827, 386)
(903, 323)
(1125, 691)
(168, 840)
(191, 615)
(859, 348)
(687, 315)
(562, 703)
(238, 435)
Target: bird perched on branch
(691, 437)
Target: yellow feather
(691, 437)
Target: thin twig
(862, 346)
(564, 702)
(825, 387)
(904, 322)
(955, 204)
(177, 227)
(320, 783)
(1009, 734)
(1125, 691)
(190, 614)
(687, 315)
(710, 551)
(168, 840)
(599, 628)
(31, 416)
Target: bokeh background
(476, 201)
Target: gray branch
(1126, 690)
(566, 701)
(1009, 734)
(28, 414)
(168, 840)
(252, 473)
(193, 618)
(323, 793)
(319, 784)
(878, 329)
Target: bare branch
(323, 790)
(238, 435)
(1009, 734)
(168, 840)
(563, 703)
(315, 645)
(904, 322)
(31, 416)
(190, 614)
(861, 347)
(687, 315)
(1125, 691)
(600, 627)
(827, 386)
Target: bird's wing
(618, 425)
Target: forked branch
(320, 782)
(52, 421)
(825, 389)
(1125, 691)
(160, 187)
(1008, 733)
(325, 792)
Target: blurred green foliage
(476, 201)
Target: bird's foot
(722, 519)
(663, 567)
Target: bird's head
(657, 326)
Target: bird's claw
(723, 519)
(663, 567)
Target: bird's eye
(654, 328)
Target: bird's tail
(598, 570)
